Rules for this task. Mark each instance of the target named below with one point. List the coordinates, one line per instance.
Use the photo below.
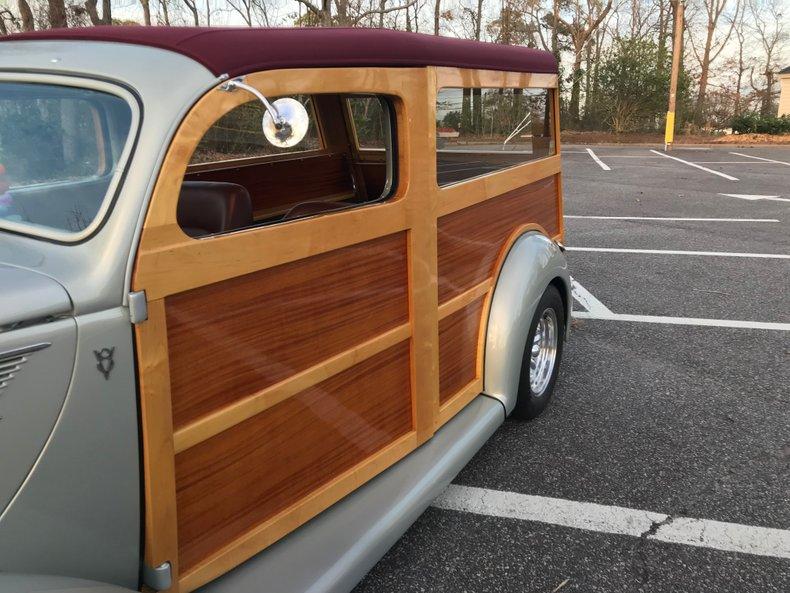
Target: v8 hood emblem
(106, 363)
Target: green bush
(754, 123)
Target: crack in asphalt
(642, 570)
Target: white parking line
(728, 163)
(588, 516)
(669, 218)
(603, 165)
(597, 310)
(756, 197)
(759, 158)
(587, 300)
(697, 321)
(679, 252)
(690, 164)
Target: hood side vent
(11, 361)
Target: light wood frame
(169, 262)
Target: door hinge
(138, 307)
(159, 578)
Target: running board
(334, 551)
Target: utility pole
(677, 48)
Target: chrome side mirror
(285, 122)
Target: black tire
(529, 404)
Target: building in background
(784, 91)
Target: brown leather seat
(209, 207)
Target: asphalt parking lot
(672, 410)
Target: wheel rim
(544, 352)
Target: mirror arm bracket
(237, 83)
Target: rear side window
(237, 179)
(237, 135)
(60, 148)
(480, 131)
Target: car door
(290, 349)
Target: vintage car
(252, 319)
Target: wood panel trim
(465, 77)
(224, 418)
(556, 114)
(465, 298)
(474, 191)
(161, 521)
(422, 210)
(289, 519)
(457, 402)
(189, 263)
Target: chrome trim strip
(24, 350)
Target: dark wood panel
(470, 240)
(458, 338)
(233, 338)
(272, 187)
(247, 474)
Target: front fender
(533, 262)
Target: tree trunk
(146, 11)
(703, 75)
(382, 6)
(165, 12)
(766, 107)
(437, 11)
(28, 24)
(479, 21)
(573, 107)
(208, 13)
(587, 71)
(57, 13)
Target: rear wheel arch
(531, 264)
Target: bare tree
(711, 46)
(770, 28)
(146, 5)
(586, 19)
(437, 14)
(193, 10)
(165, 12)
(26, 15)
(93, 14)
(56, 13)
(348, 14)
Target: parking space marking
(597, 310)
(756, 197)
(587, 300)
(674, 219)
(679, 252)
(697, 321)
(603, 165)
(729, 163)
(690, 164)
(759, 158)
(588, 516)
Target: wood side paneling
(458, 339)
(236, 337)
(240, 478)
(470, 240)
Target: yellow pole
(669, 131)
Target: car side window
(237, 179)
(483, 130)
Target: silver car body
(70, 493)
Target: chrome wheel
(544, 352)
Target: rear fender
(533, 262)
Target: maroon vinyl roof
(235, 51)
